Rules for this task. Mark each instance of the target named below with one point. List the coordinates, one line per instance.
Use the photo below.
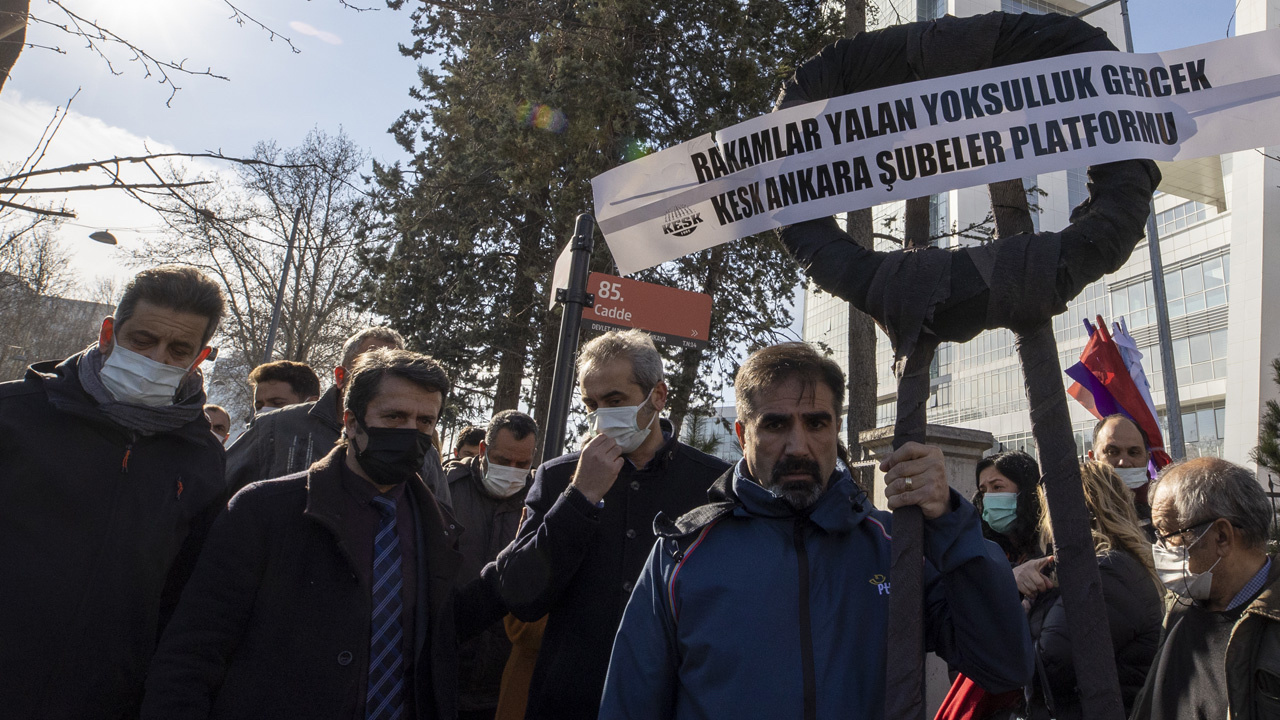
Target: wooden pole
(1078, 578)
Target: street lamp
(103, 236)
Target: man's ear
(739, 431)
(339, 375)
(107, 332)
(349, 423)
(1228, 537)
(483, 448)
(1089, 454)
(658, 397)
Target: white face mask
(1172, 566)
(503, 480)
(620, 423)
(139, 380)
(1133, 478)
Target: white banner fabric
(931, 136)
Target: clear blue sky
(349, 73)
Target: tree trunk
(863, 388)
(680, 387)
(916, 228)
(1078, 577)
(520, 331)
(547, 342)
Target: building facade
(1220, 278)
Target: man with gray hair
(589, 522)
(1220, 651)
(289, 440)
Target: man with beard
(712, 629)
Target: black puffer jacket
(1134, 612)
(99, 530)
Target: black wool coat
(578, 564)
(275, 623)
(99, 530)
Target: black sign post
(574, 298)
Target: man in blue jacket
(772, 601)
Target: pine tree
(530, 101)
(1267, 453)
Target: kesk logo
(681, 221)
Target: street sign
(670, 316)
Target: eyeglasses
(1162, 540)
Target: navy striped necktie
(385, 699)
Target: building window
(886, 413)
(940, 220)
(1179, 217)
(1136, 303)
(1198, 287)
(1077, 187)
(1035, 7)
(1203, 428)
(1090, 303)
(930, 9)
(1190, 289)
(1201, 357)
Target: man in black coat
(329, 593)
(589, 522)
(488, 496)
(109, 479)
(288, 440)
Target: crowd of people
(332, 562)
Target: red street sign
(670, 316)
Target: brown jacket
(1253, 656)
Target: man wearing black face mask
(328, 594)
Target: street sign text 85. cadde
(671, 316)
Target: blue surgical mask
(999, 510)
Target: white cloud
(317, 33)
(82, 138)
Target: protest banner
(927, 137)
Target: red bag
(968, 701)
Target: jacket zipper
(806, 628)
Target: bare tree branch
(37, 210)
(112, 186)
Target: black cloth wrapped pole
(1020, 281)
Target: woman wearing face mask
(1130, 589)
(1006, 499)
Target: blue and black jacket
(714, 628)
